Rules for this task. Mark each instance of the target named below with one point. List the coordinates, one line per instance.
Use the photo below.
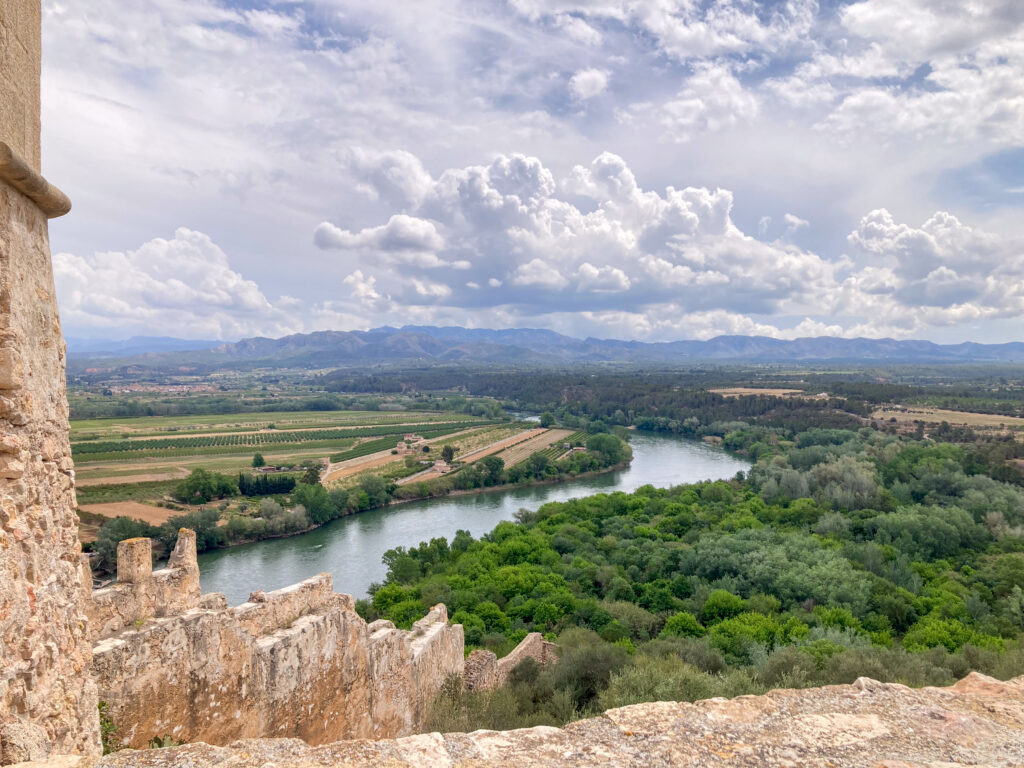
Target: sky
(642, 169)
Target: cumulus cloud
(185, 284)
(588, 83)
(397, 133)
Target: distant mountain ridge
(429, 344)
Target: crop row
(254, 439)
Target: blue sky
(650, 169)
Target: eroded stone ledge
(20, 175)
(978, 722)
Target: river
(351, 548)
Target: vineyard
(112, 450)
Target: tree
(258, 460)
(448, 453)
(311, 476)
(201, 486)
(547, 419)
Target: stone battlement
(296, 662)
(140, 593)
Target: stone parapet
(297, 662)
(142, 593)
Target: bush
(683, 624)
(721, 605)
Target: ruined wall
(46, 697)
(298, 662)
(484, 670)
(140, 593)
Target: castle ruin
(299, 663)
(47, 698)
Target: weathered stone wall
(484, 670)
(46, 697)
(298, 662)
(20, 59)
(978, 722)
(140, 593)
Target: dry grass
(938, 415)
(742, 391)
(134, 510)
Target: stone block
(134, 561)
(12, 370)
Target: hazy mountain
(136, 345)
(520, 346)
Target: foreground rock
(977, 722)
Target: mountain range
(517, 346)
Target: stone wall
(140, 593)
(484, 670)
(297, 662)
(46, 697)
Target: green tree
(547, 419)
(312, 475)
(202, 486)
(258, 460)
(448, 453)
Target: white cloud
(485, 145)
(601, 279)
(588, 83)
(184, 285)
(539, 273)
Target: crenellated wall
(297, 662)
(47, 701)
(140, 593)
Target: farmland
(939, 415)
(140, 460)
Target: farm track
(343, 469)
(285, 431)
(479, 453)
(527, 448)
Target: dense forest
(843, 553)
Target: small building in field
(442, 466)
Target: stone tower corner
(48, 701)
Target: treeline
(264, 485)
(843, 553)
(307, 504)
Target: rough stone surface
(44, 646)
(484, 670)
(296, 662)
(140, 593)
(978, 722)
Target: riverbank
(351, 547)
(452, 493)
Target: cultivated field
(139, 460)
(523, 450)
(478, 453)
(938, 415)
(133, 509)
(742, 391)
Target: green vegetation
(842, 553)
